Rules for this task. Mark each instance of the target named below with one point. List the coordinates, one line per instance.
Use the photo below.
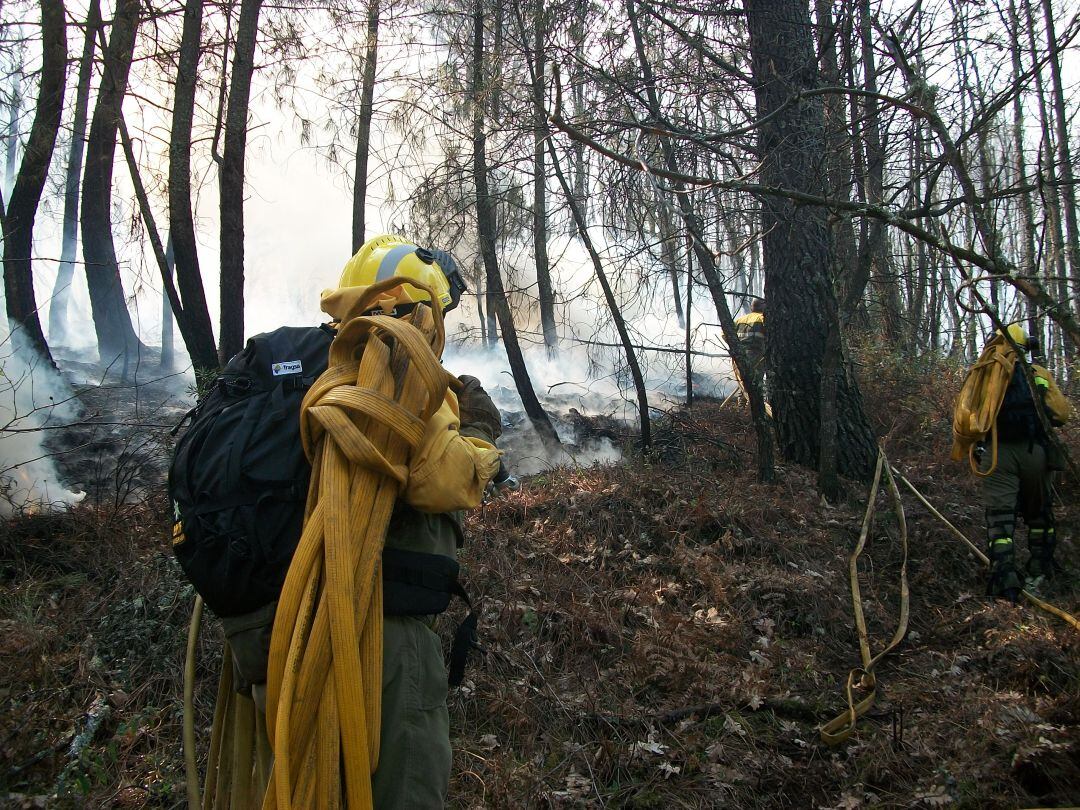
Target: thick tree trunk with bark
(363, 128)
(58, 307)
(192, 314)
(18, 219)
(837, 158)
(231, 331)
(485, 224)
(798, 252)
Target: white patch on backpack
(288, 367)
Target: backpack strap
(419, 584)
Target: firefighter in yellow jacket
(414, 749)
(454, 464)
(1019, 483)
(751, 331)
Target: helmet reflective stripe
(389, 264)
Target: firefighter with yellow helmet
(414, 748)
(1019, 482)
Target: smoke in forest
(32, 396)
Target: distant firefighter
(997, 424)
(751, 330)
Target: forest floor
(665, 632)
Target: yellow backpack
(977, 405)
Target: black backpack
(239, 478)
(1017, 418)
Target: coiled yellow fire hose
(359, 424)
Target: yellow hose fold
(360, 423)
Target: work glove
(477, 410)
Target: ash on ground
(117, 449)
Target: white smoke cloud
(32, 395)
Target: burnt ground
(665, 632)
(116, 449)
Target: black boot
(1004, 580)
(1041, 543)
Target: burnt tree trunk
(798, 252)
(485, 224)
(18, 220)
(231, 329)
(363, 127)
(58, 307)
(115, 335)
(192, 314)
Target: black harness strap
(419, 584)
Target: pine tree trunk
(838, 157)
(363, 128)
(193, 317)
(485, 224)
(18, 220)
(112, 323)
(58, 307)
(231, 325)
(539, 212)
(1064, 157)
(798, 292)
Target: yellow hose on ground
(359, 424)
(843, 725)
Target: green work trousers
(757, 371)
(1020, 484)
(414, 743)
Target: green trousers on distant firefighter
(1019, 485)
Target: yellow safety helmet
(392, 255)
(1018, 335)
